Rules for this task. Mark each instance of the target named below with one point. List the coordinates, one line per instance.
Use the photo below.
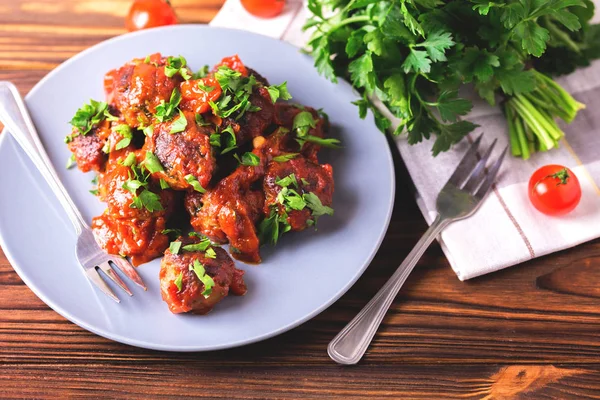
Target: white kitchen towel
(507, 230)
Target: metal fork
(16, 118)
(460, 198)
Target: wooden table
(531, 331)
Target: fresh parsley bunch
(412, 57)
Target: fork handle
(350, 344)
(16, 118)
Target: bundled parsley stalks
(412, 57)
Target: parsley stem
(351, 20)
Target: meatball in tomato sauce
(195, 280)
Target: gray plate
(298, 279)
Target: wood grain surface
(530, 332)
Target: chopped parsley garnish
(71, 162)
(200, 272)
(270, 229)
(201, 73)
(204, 87)
(106, 147)
(314, 203)
(193, 181)
(204, 244)
(164, 184)
(210, 253)
(177, 65)
(215, 140)
(179, 124)
(279, 92)
(152, 163)
(179, 281)
(89, 115)
(94, 191)
(331, 143)
(228, 140)
(285, 157)
(129, 160)
(148, 131)
(235, 98)
(166, 111)
(146, 199)
(248, 159)
(303, 122)
(287, 181)
(125, 131)
(174, 247)
(292, 200)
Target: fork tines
(471, 175)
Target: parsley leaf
(228, 140)
(177, 65)
(285, 157)
(71, 162)
(206, 280)
(204, 244)
(248, 159)
(166, 111)
(89, 115)
(279, 92)
(314, 203)
(210, 253)
(174, 247)
(152, 163)
(149, 200)
(331, 143)
(179, 124)
(451, 107)
(271, 228)
(287, 181)
(179, 281)
(193, 181)
(125, 131)
(303, 122)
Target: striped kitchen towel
(507, 230)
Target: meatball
(284, 116)
(229, 212)
(94, 149)
(87, 149)
(138, 87)
(183, 153)
(126, 228)
(309, 177)
(184, 291)
(120, 200)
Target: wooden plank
(531, 331)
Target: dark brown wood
(531, 331)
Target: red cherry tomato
(264, 8)
(149, 14)
(554, 190)
(234, 63)
(195, 94)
